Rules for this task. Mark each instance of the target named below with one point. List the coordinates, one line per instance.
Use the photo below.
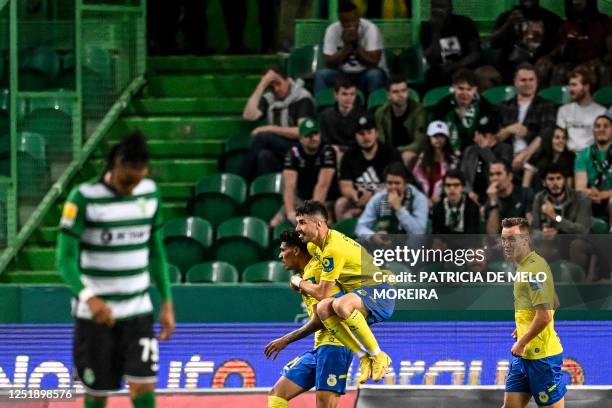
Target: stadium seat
(304, 61)
(559, 95)
(5, 158)
(187, 241)
(377, 99)
(219, 197)
(599, 226)
(241, 241)
(266, 272)
(567, 272)
(32, 170)
(38, 68)
(347, 226)
(5, 99)
(603, 96)
(499, 94)
(212, 272)
(55, 124)
(265, 196)
(234, 150)
(434, 96)
(276, 232)
(174, 274)
(411, 64)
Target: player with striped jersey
(110, 247)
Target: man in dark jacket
(455, 213)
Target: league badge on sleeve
(328, 264)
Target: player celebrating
(326, 366)
(109, 246)
(341, 259)
(537, 362)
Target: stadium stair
(187, 110)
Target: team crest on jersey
(69, 215)
(332, 380)
(328, 264)
(543, 397)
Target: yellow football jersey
(312, 273)
(530, 294)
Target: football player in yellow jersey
(536, 365)
(347, 264)
(325, 366)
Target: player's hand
(518, 349)
(167, 321)
(295, 282)
(100, 311)
(515, 334)
(274, 347)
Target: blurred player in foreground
(348, 317)
(536, 365)
(109, 246)
(325, 366)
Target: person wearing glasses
(455, 213)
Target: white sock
(374, 352)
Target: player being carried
(325, 366)
(348, 317)
(109, 247)
(536, 365)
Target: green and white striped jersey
(114, 233)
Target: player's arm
(276, 346)
(543, 317)
(319, 291)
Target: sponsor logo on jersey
(332, 380)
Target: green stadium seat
(186, 241)
(55, 125)
(599, 226)
(411, 64)
(174, 274)
(5, 100)
(559, 95)
(219, 197)
(266, 272)
(567, 272)
(265, 196)
(303, 61)
(276, 232)
(434, 96)
(377, 99)
(32, 169)
(242, 241)
(347, 226)
(490, 56)
(603, 96)
(499, 94)
(38, 68)
(212, 272)
(234, 150)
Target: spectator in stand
(284, 107)
(352, 47)
(436, 159)
(290, 10)
(309, 173)
(455, 213)
(505, 199)
(478, 157)
(362, 169)
(559, 209)
(524, 34)
(578, 116)
(450, 42)
(594, 169)
(585, 38)
(462, 109)
(401, 121)
(553, 150)
(338, 122)
(527, 118)
(399, 209)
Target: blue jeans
(266, 155)
(367, 81)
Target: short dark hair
(396, 169)
(277, 69)
(292, 238)
(456, 174)
(552, 168)
(504, 163)
(527, 67)
(522, 223)
(465, 75)
(585, 74)
(312, 207)
(343, 82)
(132, 150)
(396, 79)
(345, 6)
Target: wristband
(85, 294)
(296, 280)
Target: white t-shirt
(369, 38)
(578, 120)
(518, 143)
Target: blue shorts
(325, 368)
(541, 378)
(381, 308)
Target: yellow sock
(341, 331)
(358, 325)
(276, 402)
